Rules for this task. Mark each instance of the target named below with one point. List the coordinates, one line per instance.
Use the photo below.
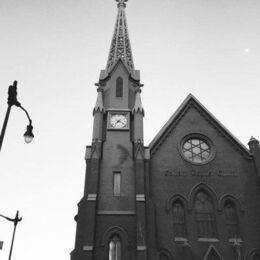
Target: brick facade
(192, 194)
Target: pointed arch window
(205, 215)
(119, 87)
(163, 256)
(256, 256)
(115, 248)
(231, 219)
(178, 212)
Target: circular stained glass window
(196, 150)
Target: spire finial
(121, 3)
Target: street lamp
(15, 221)
(12, 101)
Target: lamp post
(15, 221)
(12, 101)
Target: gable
(212, 254)
(193, 111)
(120, 63)
(105, 75)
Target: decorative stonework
(197, 149)
(212, 253)
(92, 197)
(99, 107)
(139, 149)
(96, 148)
(140, 197)
(87, 248)
(120, 46)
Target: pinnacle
(253, 139)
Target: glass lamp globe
(28, 135)
(28, 138)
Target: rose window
(196, 150)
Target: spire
(138, 103)
(120, 46)
(99, 104)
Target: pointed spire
(120, 46)
(138, 107)
(99, 104)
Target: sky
(55, 49)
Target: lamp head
(28, 135)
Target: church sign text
(198, 173)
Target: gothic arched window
(119, 87)
(115, 248)
(231, 219)
(179, 227)
(163, 256)
(256, 256)
(205, 215)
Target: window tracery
(231, 219)
(178, 212)
(205, 215)
(196, 150)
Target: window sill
(180, 239)
(235, 240)
(205, 239)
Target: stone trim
(180, 239)
(207, 239)
(146, 153)
(141, 248)
(87, 248)
(88, 153)
(235, 240)
(92, 197)
(140, 197)
(115, 212)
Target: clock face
(118, 121)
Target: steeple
(120, 46)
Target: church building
(193, 193)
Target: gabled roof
(183, 108)
(135, 74)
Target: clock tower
(111, 221)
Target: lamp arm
(6, 218)
(27, 114)
(14, 220)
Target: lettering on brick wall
(205, 173)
